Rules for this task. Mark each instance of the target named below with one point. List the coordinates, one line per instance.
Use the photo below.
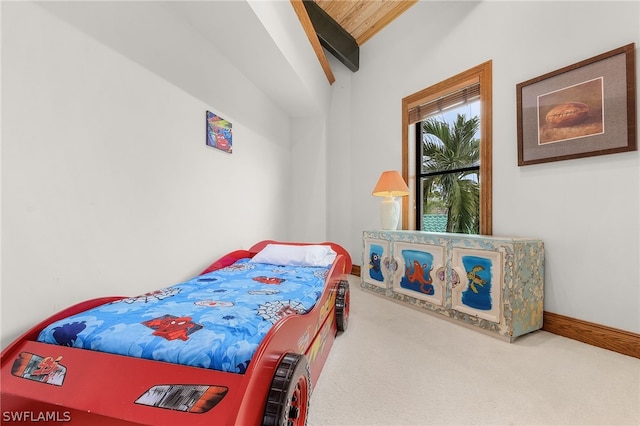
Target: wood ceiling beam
(333, 37)
(310, 31)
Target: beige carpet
(397, 366)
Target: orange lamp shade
(391, 184)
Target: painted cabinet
(493, 283)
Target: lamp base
(389, 213)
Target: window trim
(483, 74)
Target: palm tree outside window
(449, 167)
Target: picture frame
(219, 133)
(581, 110)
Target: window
(447, 154)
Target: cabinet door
(479, 292)
(375, 255)
(420, 273)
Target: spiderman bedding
(216, 320)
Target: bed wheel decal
(342, 306)
(288, 398)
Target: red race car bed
(242, 343)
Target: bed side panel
(90, 387)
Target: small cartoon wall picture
(219, 132)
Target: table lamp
(389, 186)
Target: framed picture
(219, 134)
(582, 110)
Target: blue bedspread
(215, 321)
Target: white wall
(340, 155)
(107, 185)
(308, 180)
(586, 210)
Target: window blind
(459, 97)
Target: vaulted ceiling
(342, 26)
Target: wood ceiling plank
(338, 9)
(360, 21)
(383, 18)
(359, 13)
(364, 18)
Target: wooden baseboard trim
(355, 270)
(604, 337)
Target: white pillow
(282, 254)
